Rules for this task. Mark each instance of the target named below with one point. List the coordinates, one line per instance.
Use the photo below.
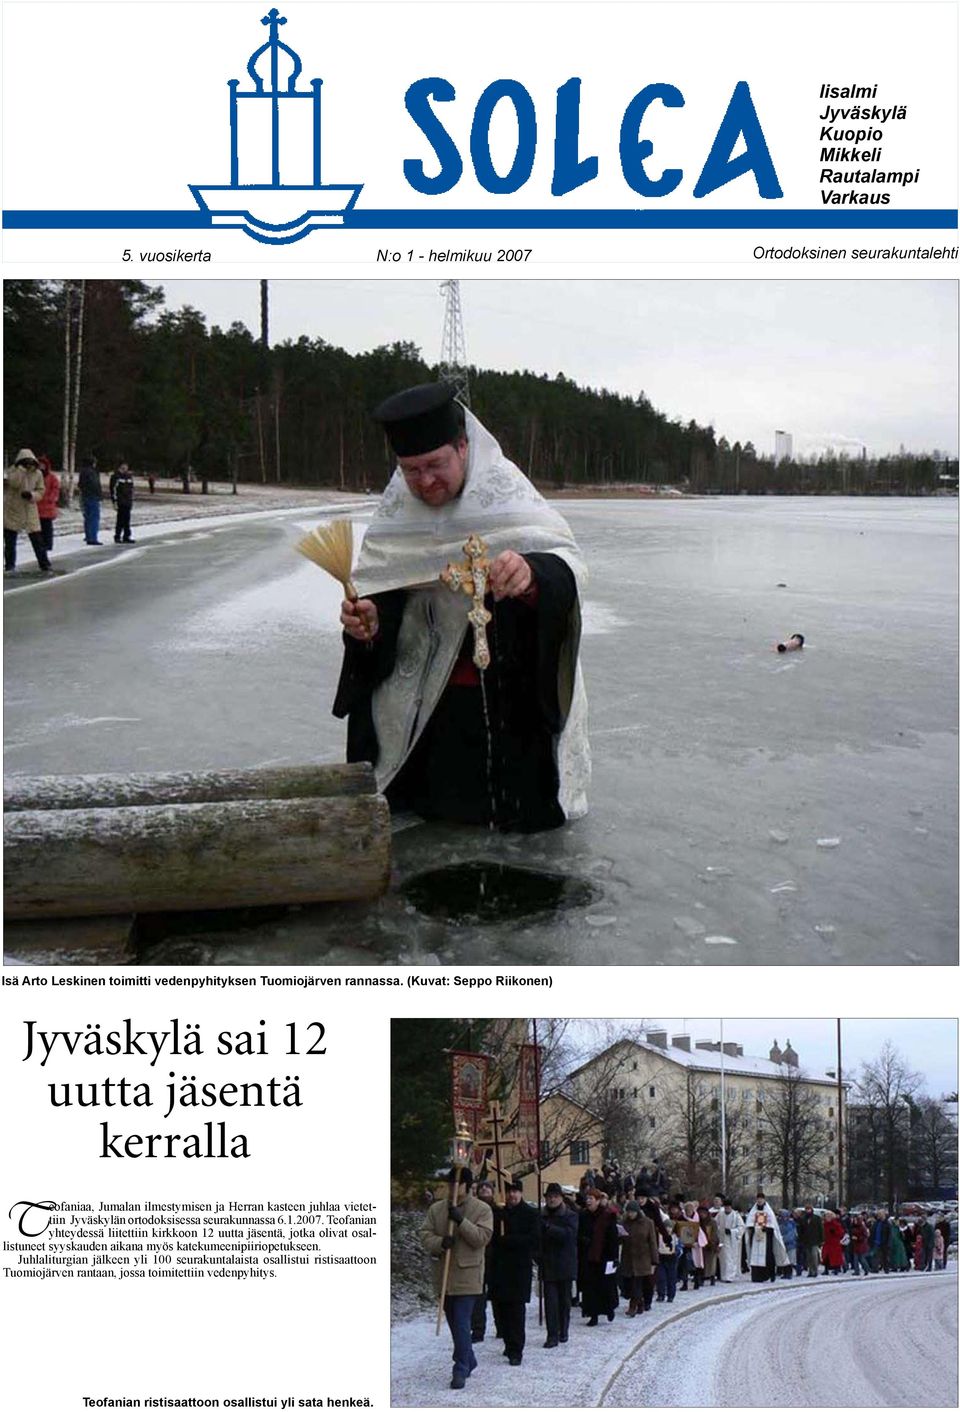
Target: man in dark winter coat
(599, 1248)
(91, 494)
(478, 1323)
(121, 493)
(810, 1232)
(928, 1235)
(638, 1258)
(558, 1263)
(516, 1239)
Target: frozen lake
(747, 807)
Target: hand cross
(470, 576)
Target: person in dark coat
(650, 1207)
(558, 1263)
(600, 1245)
(91, 495)
(121, 493)
(810, 1232)
(478, 1321)
(882, 1242)
(516, 1240)
(638, 1259)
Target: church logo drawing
(275, 192)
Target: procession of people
(623, 1243)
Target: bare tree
(67, 382)
(597, 1092)
(740, 1144)
(933, 1147)
(864, 1146)
(797, 1139)
(887, 1089)
(74, 301)
(689, 1143)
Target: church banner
(528, 1114)
(469, 1099)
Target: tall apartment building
(665, 1105)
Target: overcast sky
(837, 363)
(929, 1047)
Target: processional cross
(470, 576)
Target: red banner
(528, 1107)
(469, 1073)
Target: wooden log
(186, 857)
(70, 941)
(189, 787)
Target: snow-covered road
(884, 1341)
(874, 1342)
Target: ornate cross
(470, 577)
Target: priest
(764, 1252)
(760, 1250)
(503, 745)
(730, 1225)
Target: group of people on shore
(595, 1249)
(31, 505)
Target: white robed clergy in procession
(764, 1250)
(449, 738)
(730, 1226)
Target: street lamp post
(839, 1118)
(723, 1117)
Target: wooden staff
(536, 1070)
(495, 1122)
(454, 1187)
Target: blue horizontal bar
(106, 220)
(652, 220)
(506, 219)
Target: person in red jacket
(48, 507)
(833, 1234)
(859, 1246)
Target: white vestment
(779, 1249)
(732, 1236)
(408, 543)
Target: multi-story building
(783, 447)
(672, 1099)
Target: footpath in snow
(171, 512)
(634, 1362)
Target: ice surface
(226, 652)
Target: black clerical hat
(421, 418)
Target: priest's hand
(360, 619)
(509, 575)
